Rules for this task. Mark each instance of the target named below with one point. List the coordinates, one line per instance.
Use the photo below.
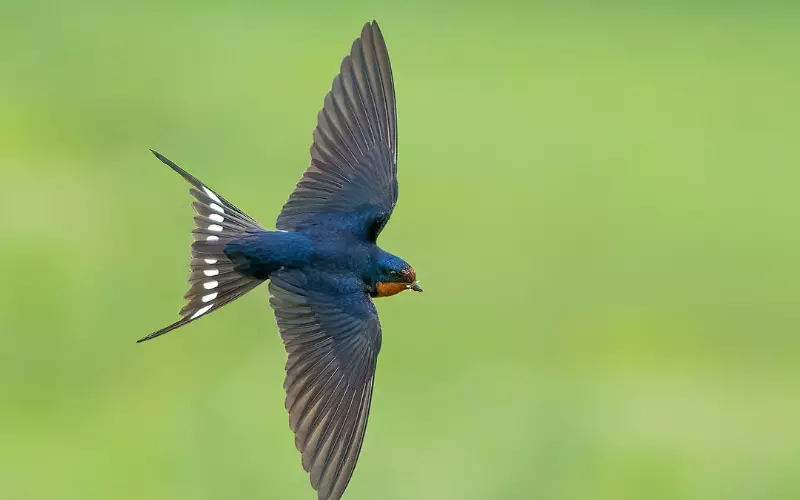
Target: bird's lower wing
(331, 332)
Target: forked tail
(213, 281)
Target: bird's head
(394, 276)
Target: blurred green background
(601, 204)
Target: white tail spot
(216, 208)
(210, 285)
(210, 297)
(201, 311)
(212, 238)
(215, 227)
(211, 272)
(216, 217)
(211, 261)
(211, 195)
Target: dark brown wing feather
(331, 332)
(353, 170)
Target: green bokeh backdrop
(601, 203)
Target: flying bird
(322, 263)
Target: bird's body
(259, 253)
(323, 263)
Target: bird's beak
(415, 286)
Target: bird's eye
(394, 274)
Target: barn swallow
(322, 264)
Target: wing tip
(371, 28)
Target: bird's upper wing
(331, 332)
(352, 180)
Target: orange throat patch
(389, 289)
